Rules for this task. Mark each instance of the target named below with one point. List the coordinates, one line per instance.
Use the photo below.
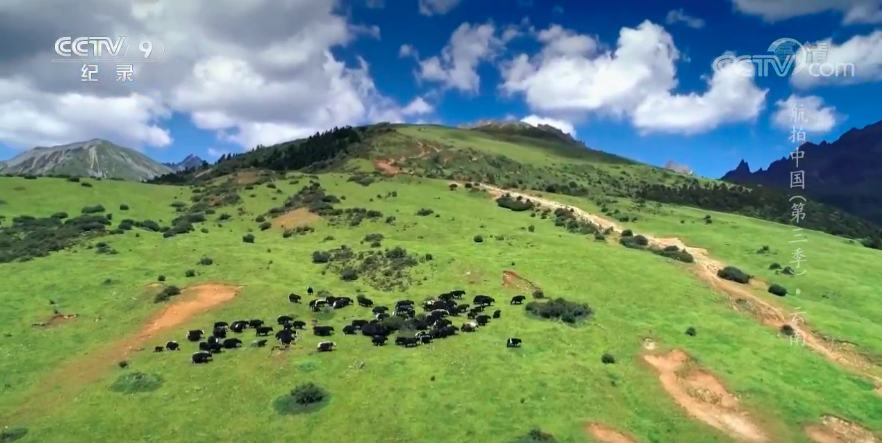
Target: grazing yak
(256, 323)
(220, 332)
(323, 331)
(264, 330)
(497, 313)
(407, 342)
(349, 330)
(195, 335)
(381, 316)
(326, 346)
(298, 324)
(204, 346)
(379, 340)
(232, 343)
(513, 343)
(373, 330)
(158, 348)
(284, 319)
(201, 357)
(293, 298)
(259, 343)
(238, 326)
(457, 294)
(309, 290)
(213, 340)
(172, 345)
(341, 303)
(518, 299)
(364, 301)
(216, 348)
(286, 336)
(379, 310)
(482, 320)
(358, 324)
(483, 300)
(221, 324)
(426, 339)
(468, 327)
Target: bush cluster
(634, 242)
(674, 253)
(423, 212)
(517, 204)
(732, 273)
(559, 308)
(166, 294)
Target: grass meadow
(464, 388)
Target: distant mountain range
(846, 174)
(92, 158)
(190, 161)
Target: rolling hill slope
(629, 368)
(92, 158)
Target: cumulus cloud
(437, 7)
(858, 60)
(679, 16)
(469, 46)
(456, 66)
(563, 125)
(407, 51)
(808, 113)
(215, 153)
(853, 11)
(251, 84)
(417, 107)
(636, 80)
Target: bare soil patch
(836, 430)
(246, 177)
(512, 280)
(704, 397)
(66, 381)
(55, 320)
(740, 296)
(607, 434)
(295, 218)
(387, 166)
(649, 344)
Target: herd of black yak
(434, 323)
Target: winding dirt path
(836, 430)
(606, 434)
(706, 268)
(62, 384)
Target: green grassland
(464, 388)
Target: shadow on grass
(136, 382)
(303, 399)
(9, 435)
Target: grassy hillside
(59, 380)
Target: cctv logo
(94, 48)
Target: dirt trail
(704, 397)
(512, 279)
(607, 434)
(295, 218)
(706, 268)
(836, 430)
(391, 167)
(67, 380)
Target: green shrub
(536, 436)
(774, 266)
(732, 273)
(634, 242)
(167, 293)
(479, 239)
(260, 219)
(223, 217)
(538, 294)
(608, 359)
(559, 308)
(73, 179)
(86, 185)
(60, 215)
(531, 228)
(307, 397)
(9, 435)
(627, 233)
(92, 209)
(518, 204)
(423, 212)
(190, 273)
(248, 238)
(179, 205)
(690, 331)
(160, 278)
(321, 257)
(674, 253)
(373, 238)
(778, 290)
(123, 207)
(265, 225)
(206, 261)
(348, 274)
(599, 236)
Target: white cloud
(854, 11)
(251, 84)
(563, 125)
(456, 66)
(633, 81)
(679, 16)
(417, 107)
(215, 153)
(29, 117)
(407, 51)
(437, 7)
(815, 117)
(858, 60)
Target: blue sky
(705, 30)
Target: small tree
(248, 238)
